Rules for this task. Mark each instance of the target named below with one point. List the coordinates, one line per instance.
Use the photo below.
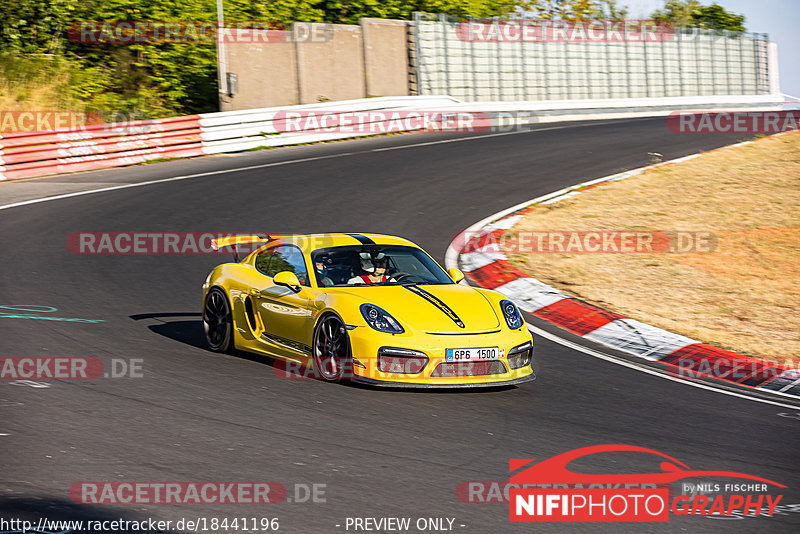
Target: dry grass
(36, 91)
(744, 296)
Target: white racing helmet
(368, 261)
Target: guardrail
(611, 108)
(234, 131)
(29, 154)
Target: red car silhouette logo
(554, 470)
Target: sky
(778, 18)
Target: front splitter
(386, 384)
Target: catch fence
(522, 59)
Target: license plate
(474, 355)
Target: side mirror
(455, 274)
(289, 279)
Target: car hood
(433, 308)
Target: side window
(288, 258)
(262, 260)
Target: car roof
(311, 242)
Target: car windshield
(375, 265)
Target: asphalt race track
(199, 416)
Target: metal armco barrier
(29, 154)
(233, 131)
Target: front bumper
(366, 344)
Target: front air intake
(401, 361)
(520, 356)
(450, 370)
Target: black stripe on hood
(438, 303)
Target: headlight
(380, 320)
(512, 314)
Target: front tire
(218, 321)
(332, 361)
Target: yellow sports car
(369, 308)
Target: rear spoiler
(240, 239)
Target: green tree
(715, 17)
(34, 26)
(609, 10)
(692, 14)
(349, 11)
(160, 79)
(167, 78)
(279, 11)
(577, 10)
(676, 12)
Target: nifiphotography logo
(549, 491)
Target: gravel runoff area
(727, 269)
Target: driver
(374, 271)
(321, 263)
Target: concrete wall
(385, 56)
(332, 70)
(267, 75)
(317, 62)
